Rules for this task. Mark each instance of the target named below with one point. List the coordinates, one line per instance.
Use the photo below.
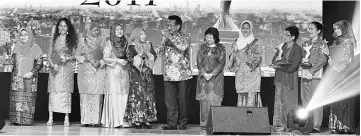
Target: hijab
(92, 42)
(117, 41)
(28, 49)
(242, 41)
(135, 39)
(346, 32)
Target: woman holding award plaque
(117, 79)
(91, 76)
(312, 68)
(27, 63)
(286, 78)
(141, 109)
(61, 76)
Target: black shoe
(15, 124)
(147, 126)
(168, 128)
(315, 131)
(183, 127)
(84, 125)
(138, 126)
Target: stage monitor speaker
(238, 120)
(2, 121)
(303, 125)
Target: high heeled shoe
(66, 122)
(50, 122)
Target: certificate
(25, 65)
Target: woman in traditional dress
(61, 76)
(211, 59)
(117, 79)
(141, 108)
(91, 76)
(342, 114)
(245, 60)
(27, 63)
(286, 78)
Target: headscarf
(28, 49)
(346, 31)
(135, 39)
(142, 46)
(117, 41)
(92, 42)
(242, 41)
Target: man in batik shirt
(177, 72)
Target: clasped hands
(207, 76)
(28, 75)
(115, 60)
(307, 75)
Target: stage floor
(40, 128)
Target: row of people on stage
(118, 88)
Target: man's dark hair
(178, 20)
(294, 32)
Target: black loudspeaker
(2, 121)
(358, 129)
(303, 125)
(238, 120)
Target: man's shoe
(315, 131)
(168, 128)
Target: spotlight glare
(302, 113)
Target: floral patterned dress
(23, 96)
(246, 63)
(141, 101)
(210, 60)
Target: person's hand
(325, 50)
(166, 34)
(207, 76)
(330, 61)
(308, 75)
(102, 64)
(137, 61)
(275, 66)
(63, 59)
(96, 64)
(55, 67)
(123, 62)
(28, 75)
(304, 60)
(81, 59)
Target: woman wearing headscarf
(27, 64)
(211, 58)
(91, 76)
(342, 114)
(117, 79)
(141, 108)
(61, 76)
(245, 60)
